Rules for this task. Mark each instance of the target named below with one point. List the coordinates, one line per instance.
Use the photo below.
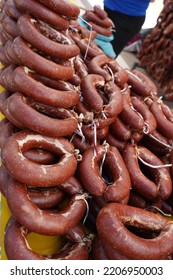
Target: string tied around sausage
(95, 138)
(90, 35)
(150, 165)
(84, 197)
(106, 67)
(159, 141)
(79, 132)
(77, 154)
(124, 89)
(106, 145)
(136, 111)
(88, 241)
(159, 210)
(146, 128)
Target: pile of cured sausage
(156, 54)
(86, 146)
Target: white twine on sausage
(159, 210)
(131, 105)
(110, 71)
(80, 132)
(106, 145)
(164, 144)
(146, 128)
(95, 138)
(90, 36)
(78, 155)
(153, 166)
(84, 197)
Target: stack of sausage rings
(85, 144)
(155, 54)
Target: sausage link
(95, 183)
(42, 221)
(38, 63)
(64, 7)
(41, 93)
(19, 107)
(161, 186)
(115, 216)
(40, 175)
(27, 27)
(43, 13)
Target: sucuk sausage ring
(115, 216)
(64, 7)
(91, 16)
(27, 27)
(164, 125)
(20, 250)
(149, 119)
(36, 90)
(91, 176)
(40, 64)
(37, 155)
(115, 100)
(140, 83)
(94, 98)
(129, 115)
(89, 86)
(42, 221)
(44, 198)
(19, 107)
(97, 66)
(9, 116)
(161, 186)
(40, 175)
(41, 12)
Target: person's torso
(129, 7)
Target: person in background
(128, 17)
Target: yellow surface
(41, 244)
